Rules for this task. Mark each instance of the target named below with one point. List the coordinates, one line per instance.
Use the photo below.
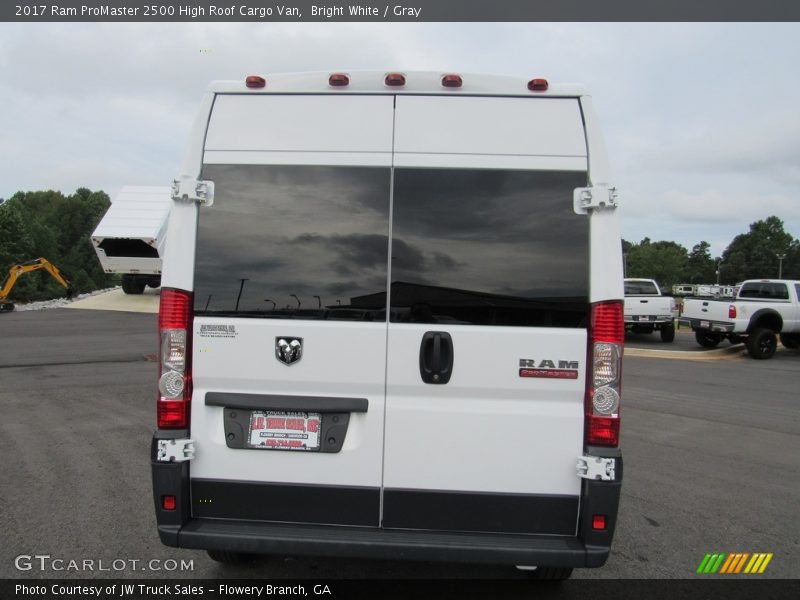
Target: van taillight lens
(452, 80)
(394, 79)
(175, 374)
(255, 81)
(732, 311)
(338, 80)
(538, 85)
(604, 376)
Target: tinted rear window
(483, 247)
(635, 288)
(488, 247)
(293, 242)
(757, 289)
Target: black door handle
(436, 357)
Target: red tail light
(175, 356)
(452, 80)
(538, 85)
(604, 374)
(732, 311)
(395, 79)
(255, 81)
(338, 80)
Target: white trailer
(130, 237)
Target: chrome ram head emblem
(288, 350)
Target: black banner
(288, 11)
(733, 588)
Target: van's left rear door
(289, 340)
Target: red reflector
(602, 431)
(338, 80)
(255, 81)
(173, 414)
(452, 80)
(395, 79)
(731, 312)
(174, 311)
(599, 522)
(169, 502)
(538, 85)
(607, 325)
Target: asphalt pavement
(710, 450)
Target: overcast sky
(702, 121)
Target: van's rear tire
(229, 558)
(762, 343)
(133, 284)
(668, 333)
(707, 339)
(549, 573)
(790, 340)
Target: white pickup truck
(763, 310)
(646, 310)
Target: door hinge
(175, 450)
(595, 467)
(591, 198)
(188, 189)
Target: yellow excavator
(32, 265)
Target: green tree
(700, 267)
(663, 261)
(56, 227)
(754, 254)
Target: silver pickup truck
(764, 310)
(646, 310)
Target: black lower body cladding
(226, 527)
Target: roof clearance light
(538, 85)
(452, 80)
(395, 79)
(338, 80)
(255, 81)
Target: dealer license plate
(273, 430)
(705, 324)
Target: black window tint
(776, 291)
(306, 240)
(634, 288)
(489, 247)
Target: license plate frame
(284, 430)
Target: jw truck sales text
(172, 590)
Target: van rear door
(488, 322)
(289, 374)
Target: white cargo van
(392, 324)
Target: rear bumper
(363, 542)
(589, 548)
(652, 320)
(705, 324)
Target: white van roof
(416, 82)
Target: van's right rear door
(488, 324)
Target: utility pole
(780, 265)
(719, 265)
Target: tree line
(57, 227)
(765, 251)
